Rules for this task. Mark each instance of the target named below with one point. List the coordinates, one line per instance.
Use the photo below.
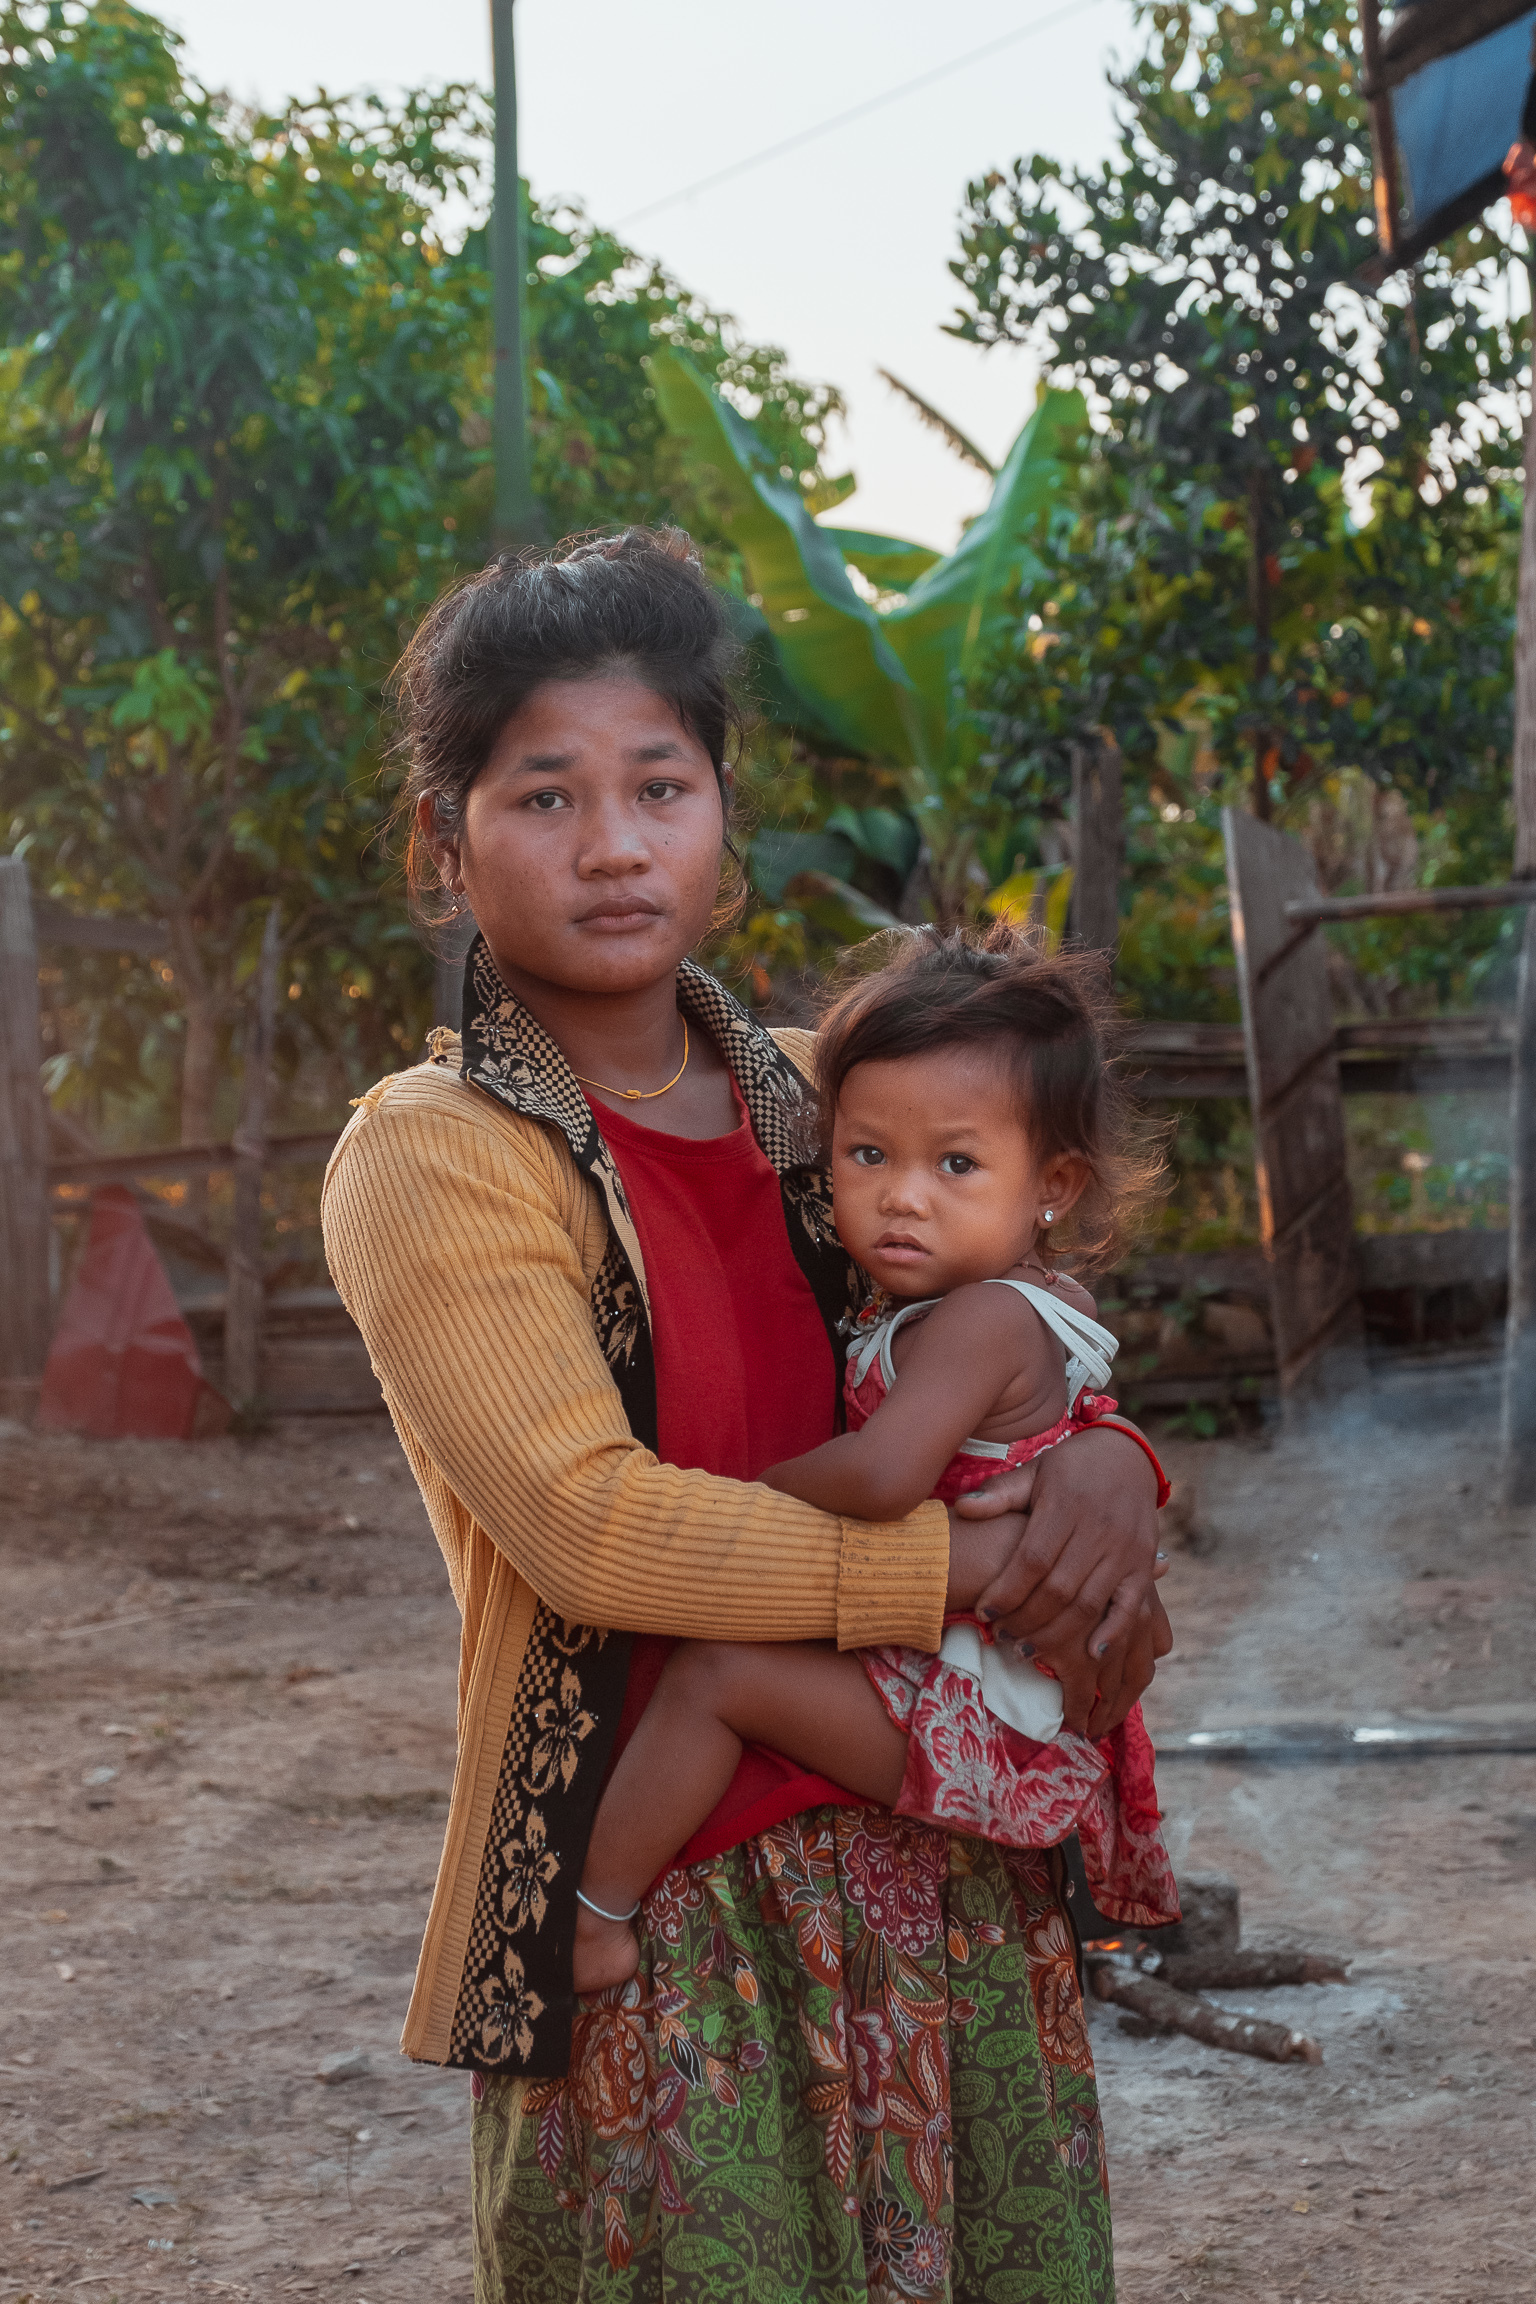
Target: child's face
(934, 1180)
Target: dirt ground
(228, 1683)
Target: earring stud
(1049, 1214)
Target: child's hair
(1052, 1019)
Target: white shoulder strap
(862, 1349)
(1089, 1347)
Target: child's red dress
(987, 1752)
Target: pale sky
(838, 251)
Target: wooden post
(1098, 841)
(1518, 1452)
(26, 1312)
(1259, 610)
(246, 1283)
(1305, 1209)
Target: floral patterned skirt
(854, 2066)
(968, 1771)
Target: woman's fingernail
(1026, 1647)
(1101, 1648)
(989, 1615)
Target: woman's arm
(956, 1367)
(1078, 1588)
(450, 1231)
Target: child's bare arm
(960, 1361)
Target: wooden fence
(296, 1351)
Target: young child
(969, 1108)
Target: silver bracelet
(619, 1917)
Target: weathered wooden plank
(26, 1319)
(99, 931)
(189, 1159)
(1306, 1216)
(243, 1312)
(1403, 1056)
(308, 1375)
(1098, 844)
(1386, 1260)
(1393, 901)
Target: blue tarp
(1457, 118)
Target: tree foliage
(1295, 519)
(245, 442)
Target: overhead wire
(859, 111)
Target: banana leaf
(887, 685)
(839, 910)
(886, 560)
(829, 641)
(1044, 896)
(885, 835)
(952, 613)
(776, 857)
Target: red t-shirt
(745, 1377)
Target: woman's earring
(1049, 1215)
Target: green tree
(1205, 289)
(244, 441)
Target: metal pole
(24, 1221)
(1518, 1466)
(515, 521)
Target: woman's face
(591, 842)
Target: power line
(859, 111)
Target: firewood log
(1158, 2003)
(1239, 1971)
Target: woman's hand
(979, 1552)
(1078, 1585)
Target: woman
(590, 1249)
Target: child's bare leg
(808, 1702)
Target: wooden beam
(97, 932)
(1098, 841)
(1305, 1210)
(26, 1311)
(1383, 134)
(188, 1159)
(1308, 911)
(243, 1312)
(1399, 1055)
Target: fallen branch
(1158, 2003)
(1235, 1971)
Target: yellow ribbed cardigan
(464, 1241)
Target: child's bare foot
(607, 1952)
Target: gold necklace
(641, 1095)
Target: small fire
(1520, 174)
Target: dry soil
(228, 1679)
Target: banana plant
(891, 681)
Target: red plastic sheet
(123, 1363)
